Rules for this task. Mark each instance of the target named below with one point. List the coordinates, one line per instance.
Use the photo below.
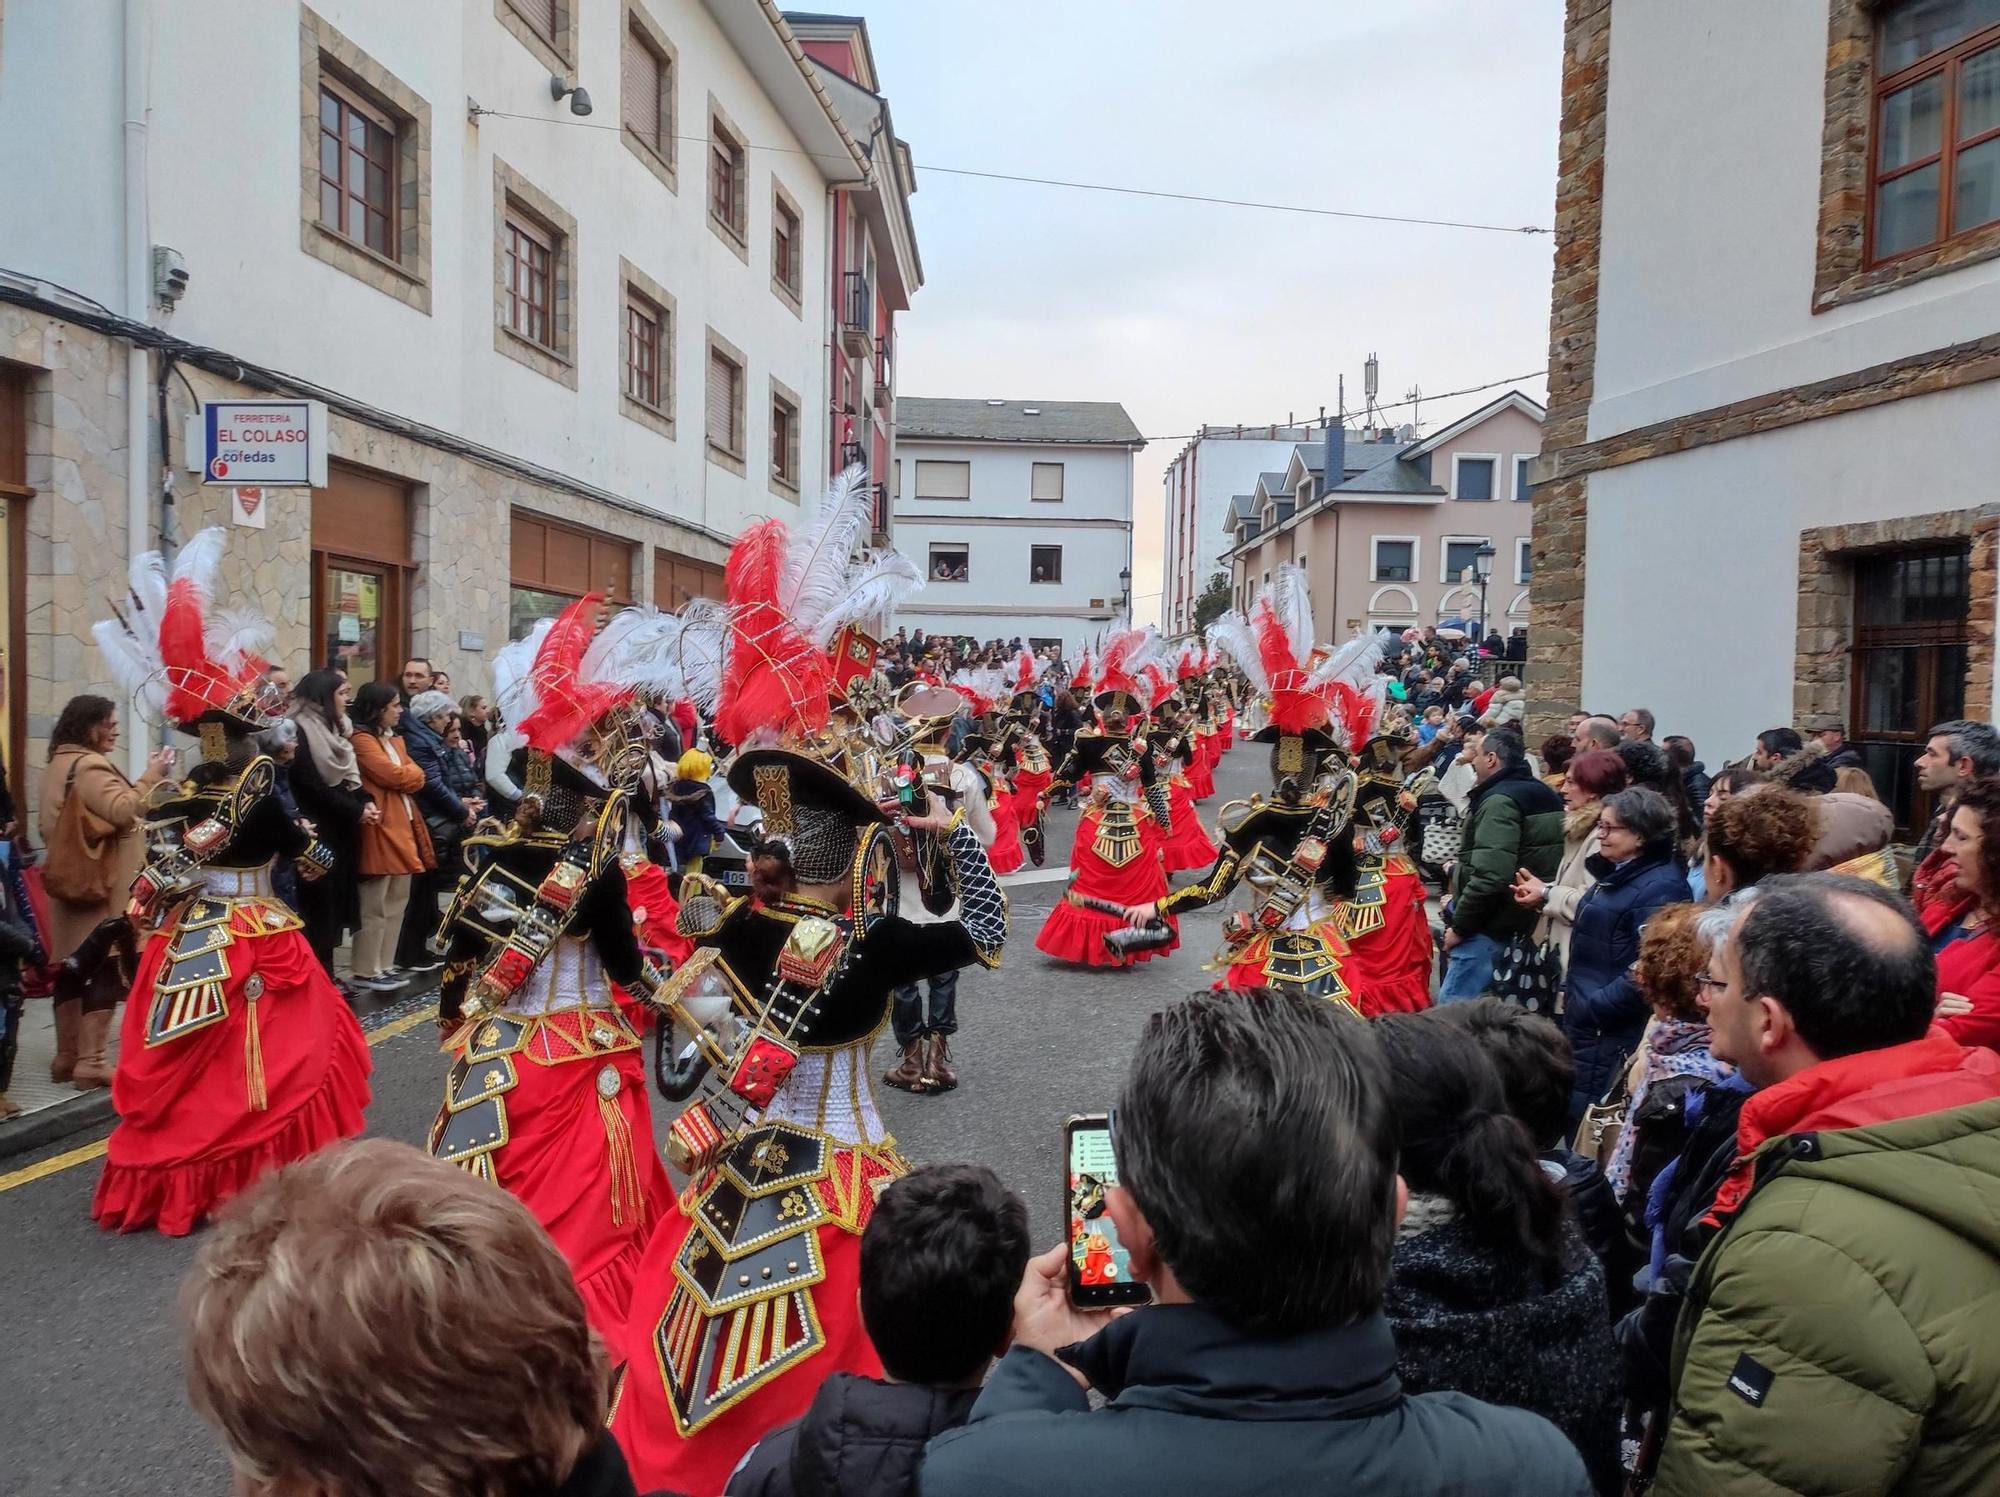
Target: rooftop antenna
(1371, 384)
(1416, 400)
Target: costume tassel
(627, 1203)
(253, 1059)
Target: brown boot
(938, 1074)
(63, 1065)
(907, 1075)
(94, 1033)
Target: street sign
(273, 444)
(247, 507)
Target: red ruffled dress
(654, 908)
(1006, 854)
(1201, 766)
(1030, 784)
(1188, 844)
(236, 1055)
(1117, 857)
(1228, 728)
(1390, 954)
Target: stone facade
(1555, 635)
(460, 510)
(1824, 670)
(1841, 274)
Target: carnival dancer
(1228, 717)
(237, 1054)
(1188, 844)
(546, 1095)
(1028, 756)
(748, 1303)
(1116, 860)
(1192, 686)
(1384, 920)
(1297, 849)
(982, 751)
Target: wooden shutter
(1048, 481)
(540, 14)
(643, 104)
(941, 480)
(723, 376)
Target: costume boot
(938, 1074)
(907, 1075)
(94, 1033)
(69, 1015)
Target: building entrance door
(361, 572)
(357, 628)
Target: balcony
(885, 371)
(852, 454)
(878, 495)
(857, 316)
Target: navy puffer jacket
(1603, 1010)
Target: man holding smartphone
(1258, 1198)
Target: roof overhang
(1513, 400)
(885, 200)
(760, 36)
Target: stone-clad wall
(1555, 634)
(460, 512)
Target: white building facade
(1019, 513)
(1774, 422)
(1195, 493)
(560, 354)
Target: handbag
(1604, 1120)
(1528, 972)
(78, 866)
(1443, 831)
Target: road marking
(55, 1164)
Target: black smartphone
(1100, 1268)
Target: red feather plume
(565, 705)
(773, 677)
(1357, 711)
(1025, 671)
(1158, 684)
(183, 650)
(1080, 680)
(1274, 646)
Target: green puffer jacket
(1515, 821)
(1842, 1334)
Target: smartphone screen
(1100, 1268)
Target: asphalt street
(90, 1380)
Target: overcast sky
(1190, 312)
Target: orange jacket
(399, 842)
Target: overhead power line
(1292, 420)
(1167, 194)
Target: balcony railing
(852, 453)
(885, 370)
(879, 495)
(857, 315)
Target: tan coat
(107, 793)
(1572, 880)
(399, 842)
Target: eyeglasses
(1709, 982)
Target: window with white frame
(1474, 475)
(1524, 487)
(943, 480)
(949, 561)
(1456, 557)
(1393, 558)
(1524, 560)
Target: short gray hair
(1647, 814)
(282, 734)
(426, 705)
(1977, 741)
(1714, 925)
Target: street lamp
(1125, 589)
(1482, 572)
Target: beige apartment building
(1388, 524)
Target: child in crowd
(692, 806)
(941, 1260)
(1536, 1072)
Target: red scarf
(1875, 1086)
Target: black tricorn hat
(776, 779)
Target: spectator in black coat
(1638, 871)
(327, 786)
(1492, 1290)
(940, 1261)
(1693, 773)
(1256, 1149)
(17, 944)
(1536, 1073)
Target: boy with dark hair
(940, 1261)
(1537, 1070)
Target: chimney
(1336, 455)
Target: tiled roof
(1073, 422)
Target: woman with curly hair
(1673, 1059)
(1752, 836)
(1962, 923)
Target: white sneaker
(381, 982)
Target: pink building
(875, 265)
(1391, 542)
